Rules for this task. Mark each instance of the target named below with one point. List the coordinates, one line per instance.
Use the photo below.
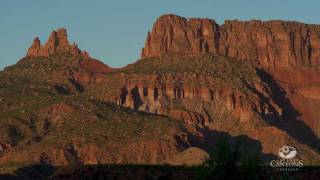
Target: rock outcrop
(271, 43)
(197, 105)
(288, 53)
(57, 43)
(175, 34)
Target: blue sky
(114, 31)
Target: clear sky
(114, 31)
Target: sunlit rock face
(198, 105)
(287, 51)
(57, 43)
(270, 43)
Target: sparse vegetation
(228, 70)
(87, 118)
(28, 87)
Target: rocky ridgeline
(271, 43)
(57, 43)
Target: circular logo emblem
(287, 152)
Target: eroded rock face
(57, 43)
(175, 34)
(194, 104)
(288, 51)
(271, 43)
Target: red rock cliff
(271, 43)
(57, 43)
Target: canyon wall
(288, 52)
(180, 97)
(271, 43)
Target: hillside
(59, 106)
(56, 119)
